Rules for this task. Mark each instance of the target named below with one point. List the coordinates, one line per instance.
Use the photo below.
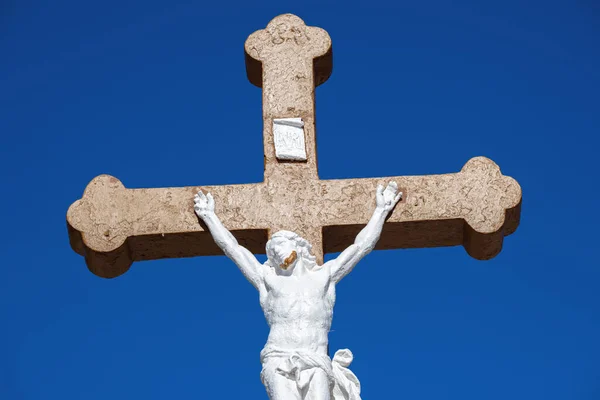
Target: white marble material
(288, 134)
(297, 297)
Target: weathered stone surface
(113, 226)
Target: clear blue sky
(155, 93)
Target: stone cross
(112, 226)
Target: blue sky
(155, 93)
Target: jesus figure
(297, 297)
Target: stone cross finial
(113, 226)
(288, 60)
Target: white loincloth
(300, 366)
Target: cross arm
(475, 207)
(112, 226)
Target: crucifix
(295, 217)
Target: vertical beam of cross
(288, 60)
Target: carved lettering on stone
(289, 139)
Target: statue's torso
(299, 309)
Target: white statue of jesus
(297, 298)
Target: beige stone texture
(112, 226)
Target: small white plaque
(288, 134)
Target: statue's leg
(278, 386)
(319, 386)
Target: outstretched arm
(204, 205)
(367, 238)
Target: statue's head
(285, 248)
